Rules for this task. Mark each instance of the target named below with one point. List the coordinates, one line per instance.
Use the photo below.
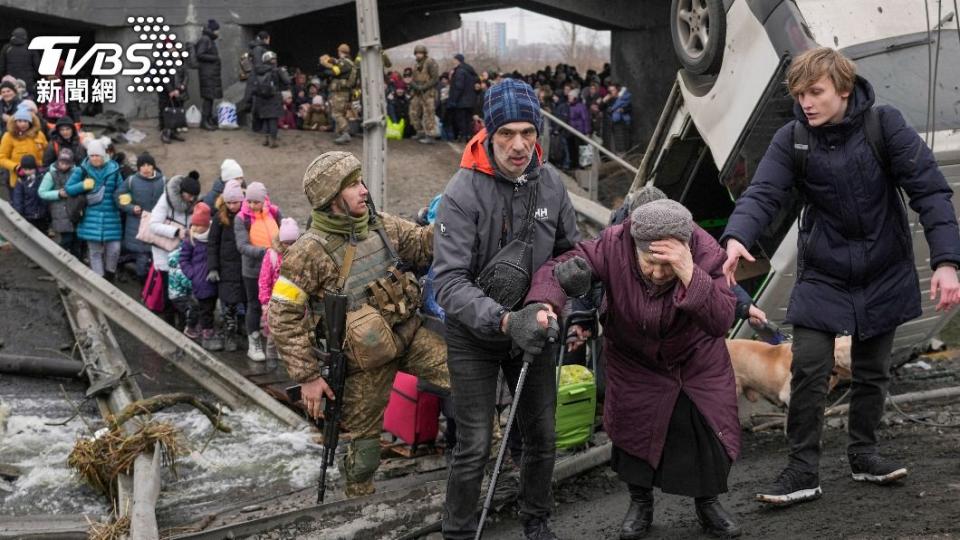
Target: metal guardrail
(218, 378)
(600, 148)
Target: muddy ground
(927, 504)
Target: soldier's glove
(526, 332)
(574, 276)
(213, 276)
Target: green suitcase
(576, 406)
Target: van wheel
(698, 28)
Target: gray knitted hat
(659, 220)
(643, 196)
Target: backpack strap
(801, 150)
(873, 130)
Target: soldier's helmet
(420, 49)
(323, 177)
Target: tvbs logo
(153, 60)
(108, 58)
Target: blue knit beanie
(213, 25)
(510, 101)
(23, 113)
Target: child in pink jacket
(270, 272)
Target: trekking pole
(488, 502)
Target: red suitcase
(412, 416)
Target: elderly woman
(671, 405)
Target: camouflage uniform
(423, 102)
(341, 87)
(311, 266)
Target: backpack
(265, 85)
(245, 66)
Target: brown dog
(763, 370)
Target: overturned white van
(730, 98)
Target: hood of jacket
(109, 167)
(477, 158)
(861, 98)
(18, 37)
(31, 131)
(172, 191)
(263, 68)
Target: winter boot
(537, 529)
(714, 519)
(255, 348)
(636, 524)
(192, 332)
(165, 136)
(175, 135)
(273, 141)
(344, 138)
(230, 332)
(211, 341)
(205, 124)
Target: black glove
(574, 276)
(526, 332)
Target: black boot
(636, 524)
(111, 277)
(205, 124)
(175, 135)
(165, 136)
(273, 141)
(714, 519)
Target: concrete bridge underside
(641, 52)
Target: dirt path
(415, 172)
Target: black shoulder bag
(506, 277)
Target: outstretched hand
(735, 250)
(945, 282)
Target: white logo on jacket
(541, 214)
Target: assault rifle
(335, 318)
(335, 373)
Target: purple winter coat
(657, 345)
(580, 117)
(193, 264)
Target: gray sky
(535, 27)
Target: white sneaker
(255, 349)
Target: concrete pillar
(644, 61)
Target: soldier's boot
(359, 466)
(343, 138)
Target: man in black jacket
(856, 273)
(19, 61)
(258, 46)
(463, 97)
(208, 66)
(501, 186)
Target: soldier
(423, 102)
(344, 79)
(383, 332)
